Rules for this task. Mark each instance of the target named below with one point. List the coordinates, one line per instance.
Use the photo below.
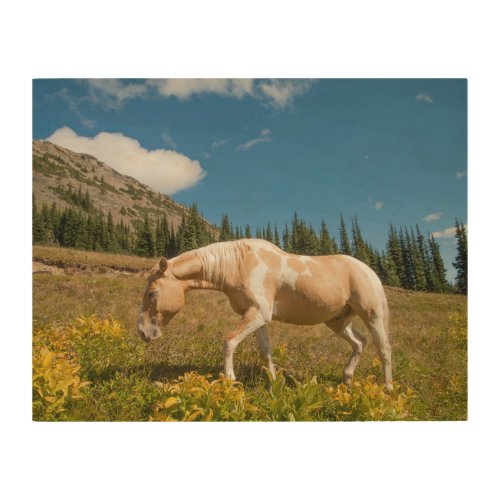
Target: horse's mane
(221, 262)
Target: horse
(265, 283)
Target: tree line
(85, 227)
(409, 260)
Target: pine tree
(303, 239)
(81, 235)
(276, 241)
(145, 240)
(287, 241)
(424, 256)
(248, 231)
(373, 256)
(439, 271)
(407, 278)
(345, 245)
(325, 242)
(395, 259)
(335, 247)
(110, 227)
(360, 249)
(180, 235)
(90, 230)
(390, 271)
(418, 263)
(52, 222)
(269, 233)
(460, 263)
(311, 241)
(192, 231)
(294, 237)
(173, 249)
(202, 233)
(160, 236)
(226, 232)
(37, 227)
(104, 234)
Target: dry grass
(426, 357)
(83, 260)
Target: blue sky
(383, 150)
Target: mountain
(58, 172)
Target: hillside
(56, 169)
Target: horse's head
(163, 299)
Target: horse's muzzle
(143, 336)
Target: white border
(219, 39)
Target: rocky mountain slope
(57, 171)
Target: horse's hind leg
(381, 339)
(265, 349)
(343, 328)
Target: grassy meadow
(88, 363)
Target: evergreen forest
(410, 259)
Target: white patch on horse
(257, 286)
(288, 275)
(305, 258)
(275, 308)
(307, 272)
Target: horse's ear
(163, 264)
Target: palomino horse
(264, 283)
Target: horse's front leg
(251, 321)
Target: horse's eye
(153, 295)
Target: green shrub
(56, 383)
(92, 369)
(281, 402)
(367, 400)
(103, 346)
(195, 397)
(64, 358)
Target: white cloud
(74, 106)
(424, 98)
(281, 93)
(449, 232)
(379, 205)
(218, 144)
(111, 93)
(163, 170)
(264, 137)
(167, 138)
(432, 217)
(459, 175)
(183, 89)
